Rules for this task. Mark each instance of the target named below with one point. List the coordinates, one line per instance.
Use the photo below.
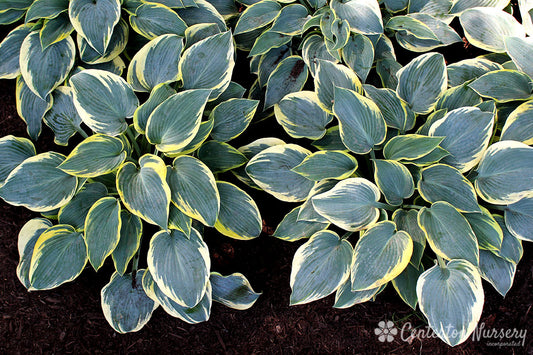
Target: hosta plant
(143, 180)
(419, 176)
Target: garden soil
(69, 319)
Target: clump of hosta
(426, 161)
(143, 170)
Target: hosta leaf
(288, 77)
(11, 16)
(97, 155)
(258, 15)
(208, 64)
(505, 172)
(186, 109)
(466, 133)
(55, 30)
(292, 229)
(351, 204)
(115, 66)
(144, 190)
(394, 110)
(519, 218)
(45, 69)
(345, 297)
(13, 151)
(358, 54)
(179, 220)
(200, 31)
(457, 97)
(59, 256)
(126, 306)
(38, 184)
(410, 26)
(103, 100)
(327, 164)
(193, 189)
(407, 221)
(291, 20)
(117, 44)
(31, 108)
(314, 49)
(95, 20)
(511, 248)
(307, 211)
(301, 116)
(27, 237)
(46, 9)
(394, 180)
(360, 121)
(331, 140)
(269, 61)
(330, 76)
(232, 117)
(198, 313)
(63, 118)
(441, 182)
(452, 300)
(153, 20)
(503, 85)
(180, 266)
(75, 212)
(158, 95)
(497, 271)
(379, 256)
(155, 63)
(519, 124)
(487, 28)
(15, 5)
(220, 157)
(319, 267)
(197, 141)
(233, 291)
(488, 233)
(271, 170)
(267, 41)
(201, 12)
(405, 284)
(462, 5)
(468, 69)
(102, 230)
(363, 16)
(239, 217)
(10, 51)
(422, 81)
(520, 50)
(448, 232)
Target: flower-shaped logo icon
(386, 331)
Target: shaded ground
(69, 319)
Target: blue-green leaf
(159, 94)
(497, 271)
(358, 54)
(448, 232)
(505, 172)
(380, 255)
(75, 212)
(394, 180)
(117, 44)
(103, 100)
(180, 266)
(126, 306)
(519, 124)
(364, 16)
(97, 155)
(31, 108)
(10, 51)
(13, 151)
(233, 291)
(468, 69)
(129, 242)
(239, 217)
(44, 69)
(319, 267)
(63, 118)
(330, 76)
(292, 229)
(38, 184)
(405, 284)
(345, 297)
(152, 20)
(144, 190)
(59, 256)
(288, 77)
(520, 50)
(257, 16)
(351, 204)
(410, 147)
(440, 182)
(488, 233)
(422, 81)
(220, 157)
(327, 164)
(519, 218)
(193, 189)
(271, 170)
(102, 230)
(395, 111)
(232, 117)
(360, 121)
(408, 221)
(451, 298)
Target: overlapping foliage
(414, 162)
